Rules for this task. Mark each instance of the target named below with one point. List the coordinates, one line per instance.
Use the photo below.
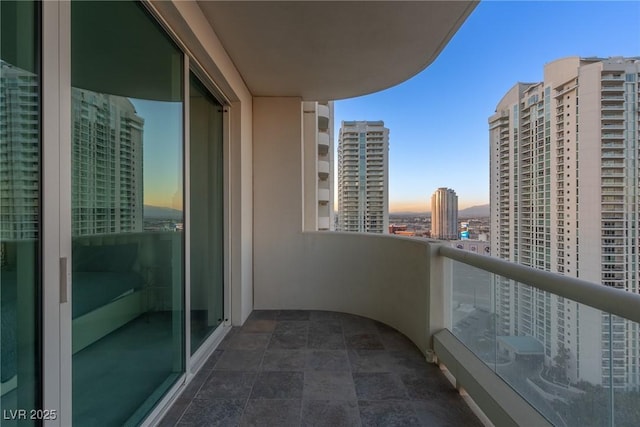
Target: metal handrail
(611, 300)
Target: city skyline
(451, 100)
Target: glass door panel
(206, 212)
(20, 212)
(127, 213)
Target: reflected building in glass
(107, 160)
(564, 198)
(20, 159)
(107, 174)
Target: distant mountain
(480, 211)
(158, 212)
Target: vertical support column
(277, 198)
(310, 163)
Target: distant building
(363, 177)
(464, 230)
(444, 214)
(395, 228)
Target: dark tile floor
(318, 368)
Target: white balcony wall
(381, 277)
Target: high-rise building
(564, 198)
(444, 214)
(318, 165)
(363, 177)
(107, 158)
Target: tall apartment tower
(363, 177)
(565, 198)
(107, 175)
(444, 214)
(318, 165)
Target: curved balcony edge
(382, 277)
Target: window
(127, 327)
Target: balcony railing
(544, 364)
(530, 347)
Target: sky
(439, 135)
(162, 152)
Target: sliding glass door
(20, 212)
(109, 194)
(127, 212)
(206, 212)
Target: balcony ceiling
(323, 50)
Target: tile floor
(318, 368)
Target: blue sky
(438, 119)
(162, 152)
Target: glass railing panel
(624, 338)
(472, 310)
(556, 353)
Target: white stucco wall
(382, 277)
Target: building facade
(107, 158)
(318, 166)
(444, 214)
(564, 198)
(363, 177)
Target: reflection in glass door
(206, 212)
(20, 211)
(127, 213)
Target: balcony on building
(323, 116)
(323, 169)
(323, 142)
